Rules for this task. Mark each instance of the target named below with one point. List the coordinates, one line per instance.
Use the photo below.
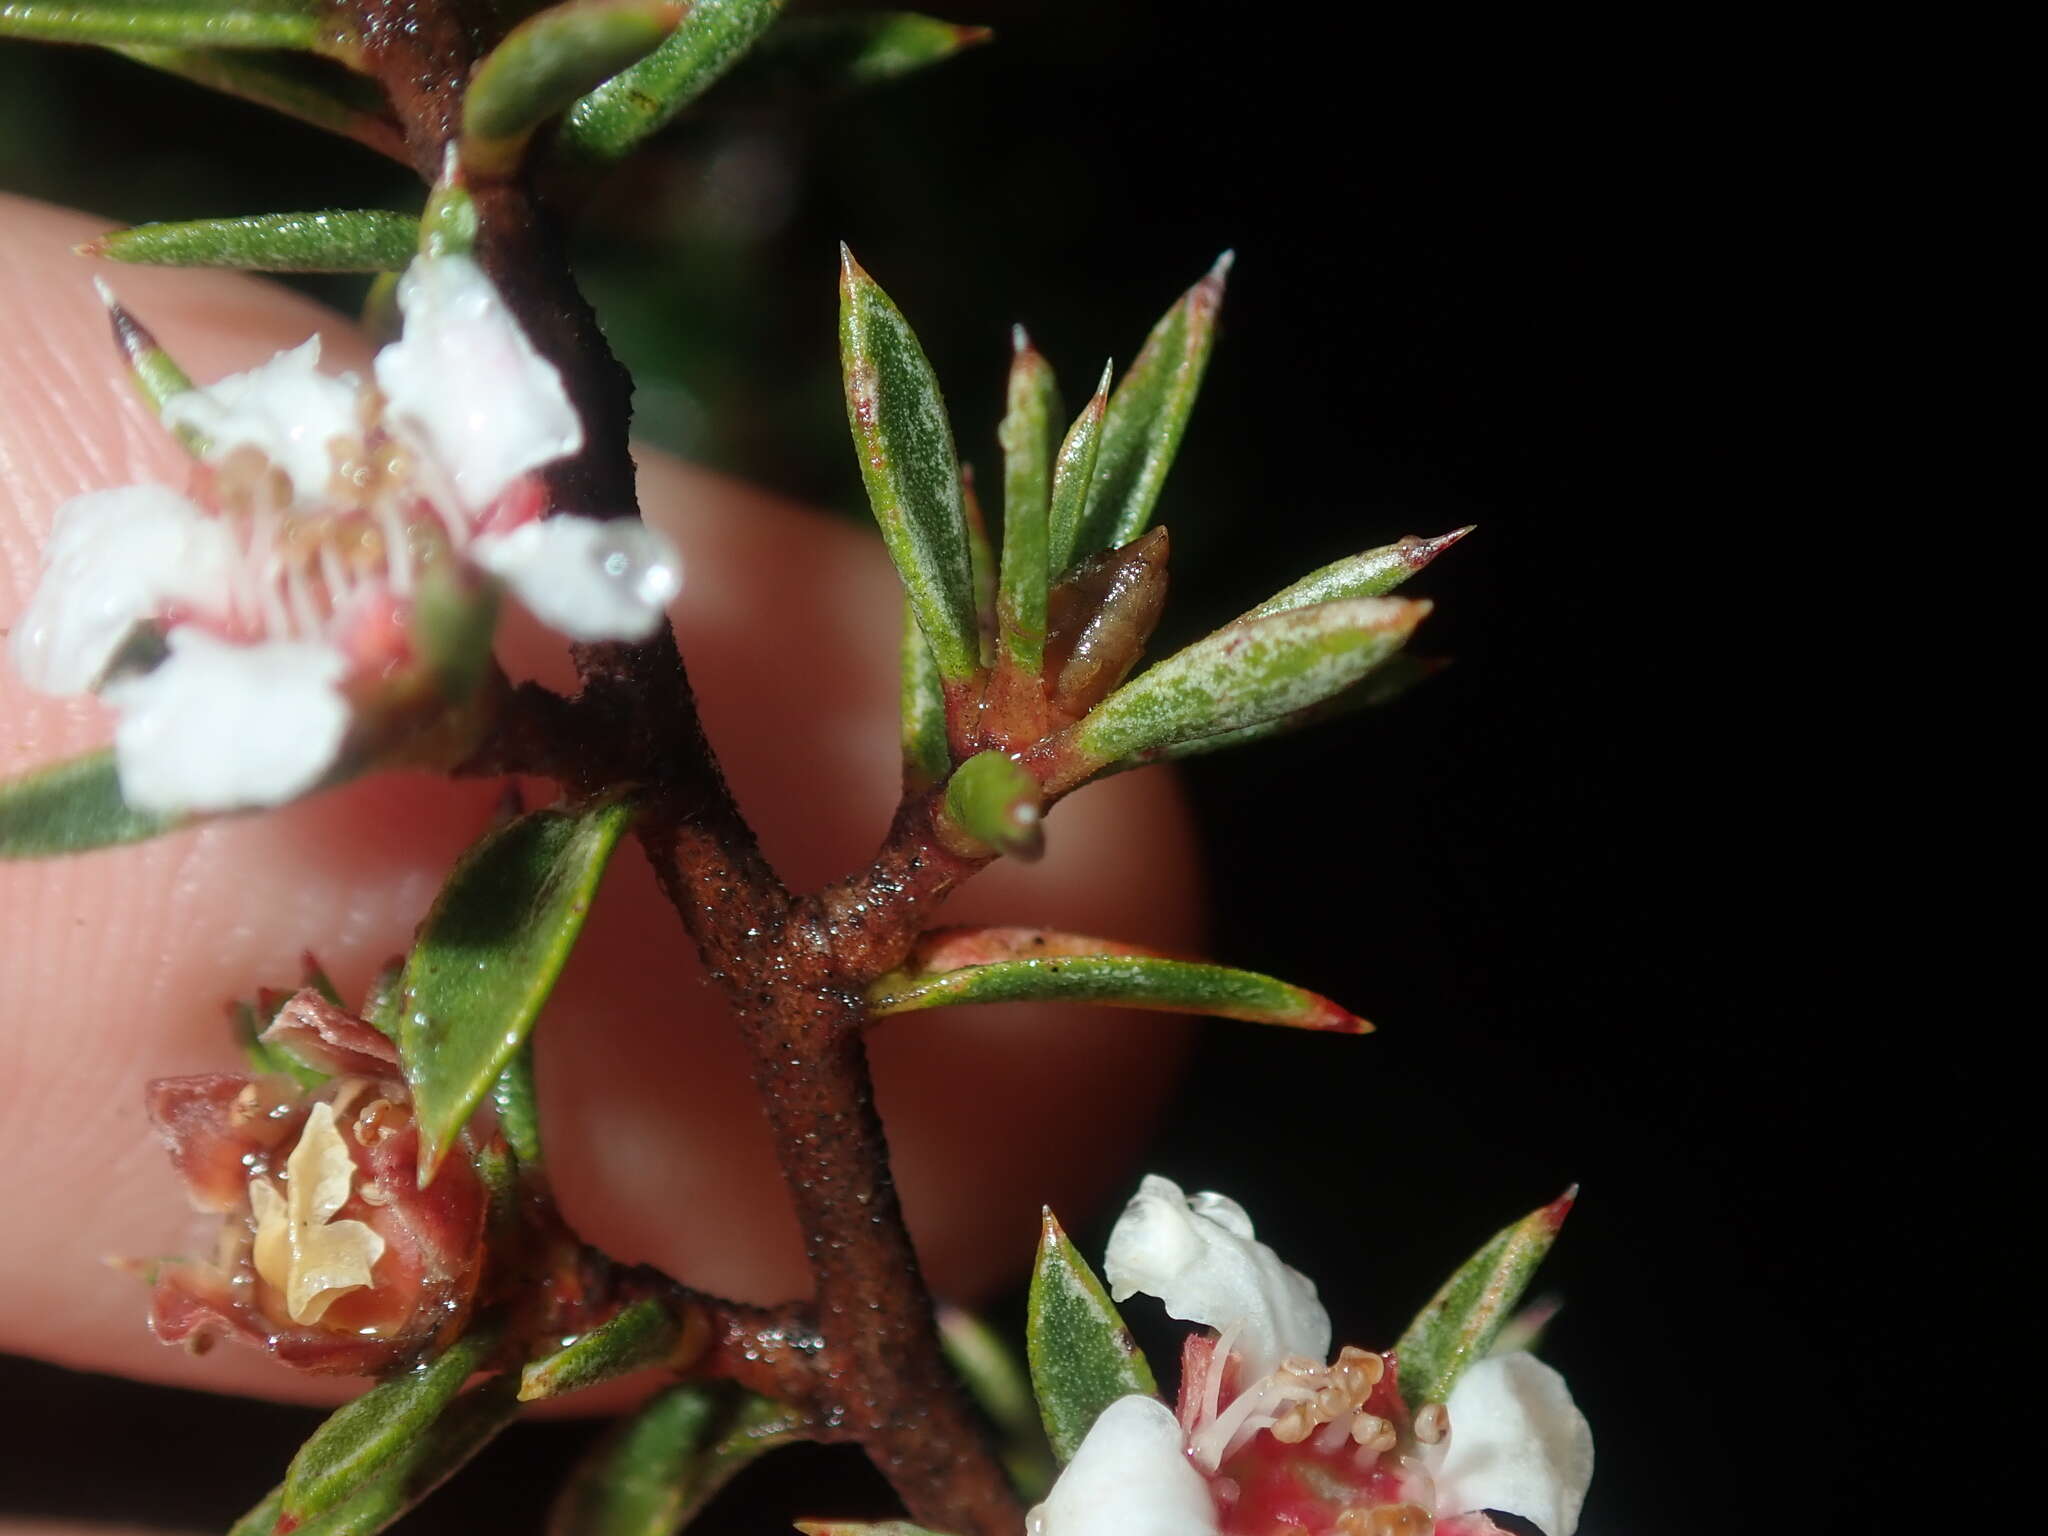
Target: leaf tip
(1219, 274)
(1553, 1214)
(1101, 399)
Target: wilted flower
(300, 604)
(1269, 1437)
(331, 1256)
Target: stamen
(1433, 1423)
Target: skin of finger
(118, 963)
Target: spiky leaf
(654, 1471)
(1147, 415)
(615, 118)
(167, 23)
(643, 1334)
(1073, 475)
(71, 807)
(369, 1438)
(1374, 573)
(1026, 435)
(1461, 1321)
(905, 442)
(1012, 965)
(1245, 673)
(825, 55)
(350, 240)
(926, 757)
(1082, 1356)
(488, 955)
(299, 87)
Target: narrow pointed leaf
(357, 240)
(611, 121)
(981, 566)
(996, 803)
(654, 1471)
(1073, 473)
(1244, 674)
(547, 62)
(472, 1421)
(1390, 680)
(153, 371)
(165, 23)
(488, 956)
(926, 757)
(71, 807)
(341, 103)
(1147, 415)
(905, 441)
(827, 55)
(1026, 435)
(999, 1383)
(643, 1334)
(952, 966)
(1461, 1321)
(1374, 573)
(1082, 1356)
(368, 1438)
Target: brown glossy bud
(1098, 620)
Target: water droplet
(639, 560)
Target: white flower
(1131, 1477)
(283, 608)
(287, 410)
(1518, 1444)
(1198, 1254)
(217, 726)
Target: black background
(1583, 880)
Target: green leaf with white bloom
(354, 240)
(1082, 1356)
(488, 956)
(1390, 680)
(654, 1471)
(997, 1380)
(905, 442)
(1246, 673)
(1374, 573)
(614, 119)
(308, 89)
(1147, 415)
(169, 23)
(71, 807)
(470, 1423)
(638, 1336)
(1026, 436)
(953, 966)
(368, 1439)
(912, 474)
(549, 61)
(1073, 474)
(927, 758)
(1459, 1325)
(996, 802)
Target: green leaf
(359, 240)
(545, 63)
(1072, 475)
(998, 1382)
(643, 1334)
(1245, 673)
(488, 956)
(615, 118)
(1082, 1356)
(1374, 573)
(262, 1055)
(518, 1114)
(1390, 680)
(368, 1438)
(824, 55)
(981, 566)
(654, 1471)
(153, 371)
(926, 756)
(905, 443)
(1148, 414)
(71, 807)
(1461, 1321)
(1026, 435)
(471, 1423)
(166, 23)
(1012, 965)
(310, 90)
(994, 800)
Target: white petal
(1198, 1255)
(466, 386)
(220, 727)
(590, 578)
(1518, 1444)
(287, 409)
(114, 559)
(1131, 1477)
